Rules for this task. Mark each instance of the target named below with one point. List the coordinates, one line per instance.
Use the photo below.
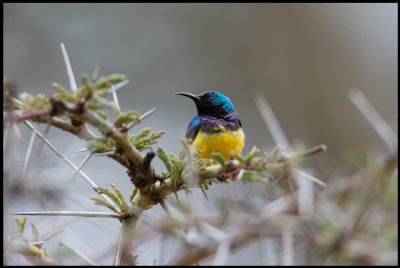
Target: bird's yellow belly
(225, 143)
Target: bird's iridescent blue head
(211, 103)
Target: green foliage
(254, 151)
(35, 232)
(105, 82)
(62, 94)
(126, 118)
(175, 166)
(41, 103)
(143, 141)
(124, 205)
(101, 145)
(21, 226)
(108, 193)
(101, 202)
(219, 158)
(118, 199)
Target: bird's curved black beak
(195, 98)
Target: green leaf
(124, 205)
(143, 141)
(102, 202)
(62, 93)
(101, 92)
(219, 158)
(101, 145)
(21, 224)
(53, 235)
(40, 102)
(85, 79)
(254, 151)
(26, 98)
(126, 118)
(107, 81)
(108, 193)
(35, 232)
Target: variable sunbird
(216, 128)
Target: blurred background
(304, 58)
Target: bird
(216, 128)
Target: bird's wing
(193, 128)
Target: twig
(71, 76)
(71, 213)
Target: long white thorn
(120, 85)
(70, 213)
(374, 118)
(46, 132)
(7, 133)
(30, 126)
(29, 151)
(70, 74)
(80, 166)
(309, 177)
(95, 73)
(115, 98)
(103, 101)
(79, 254)
(271, 122)
(83, 175)
(82, 150)
(119, 245)
(287, 245)
(143, 116)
